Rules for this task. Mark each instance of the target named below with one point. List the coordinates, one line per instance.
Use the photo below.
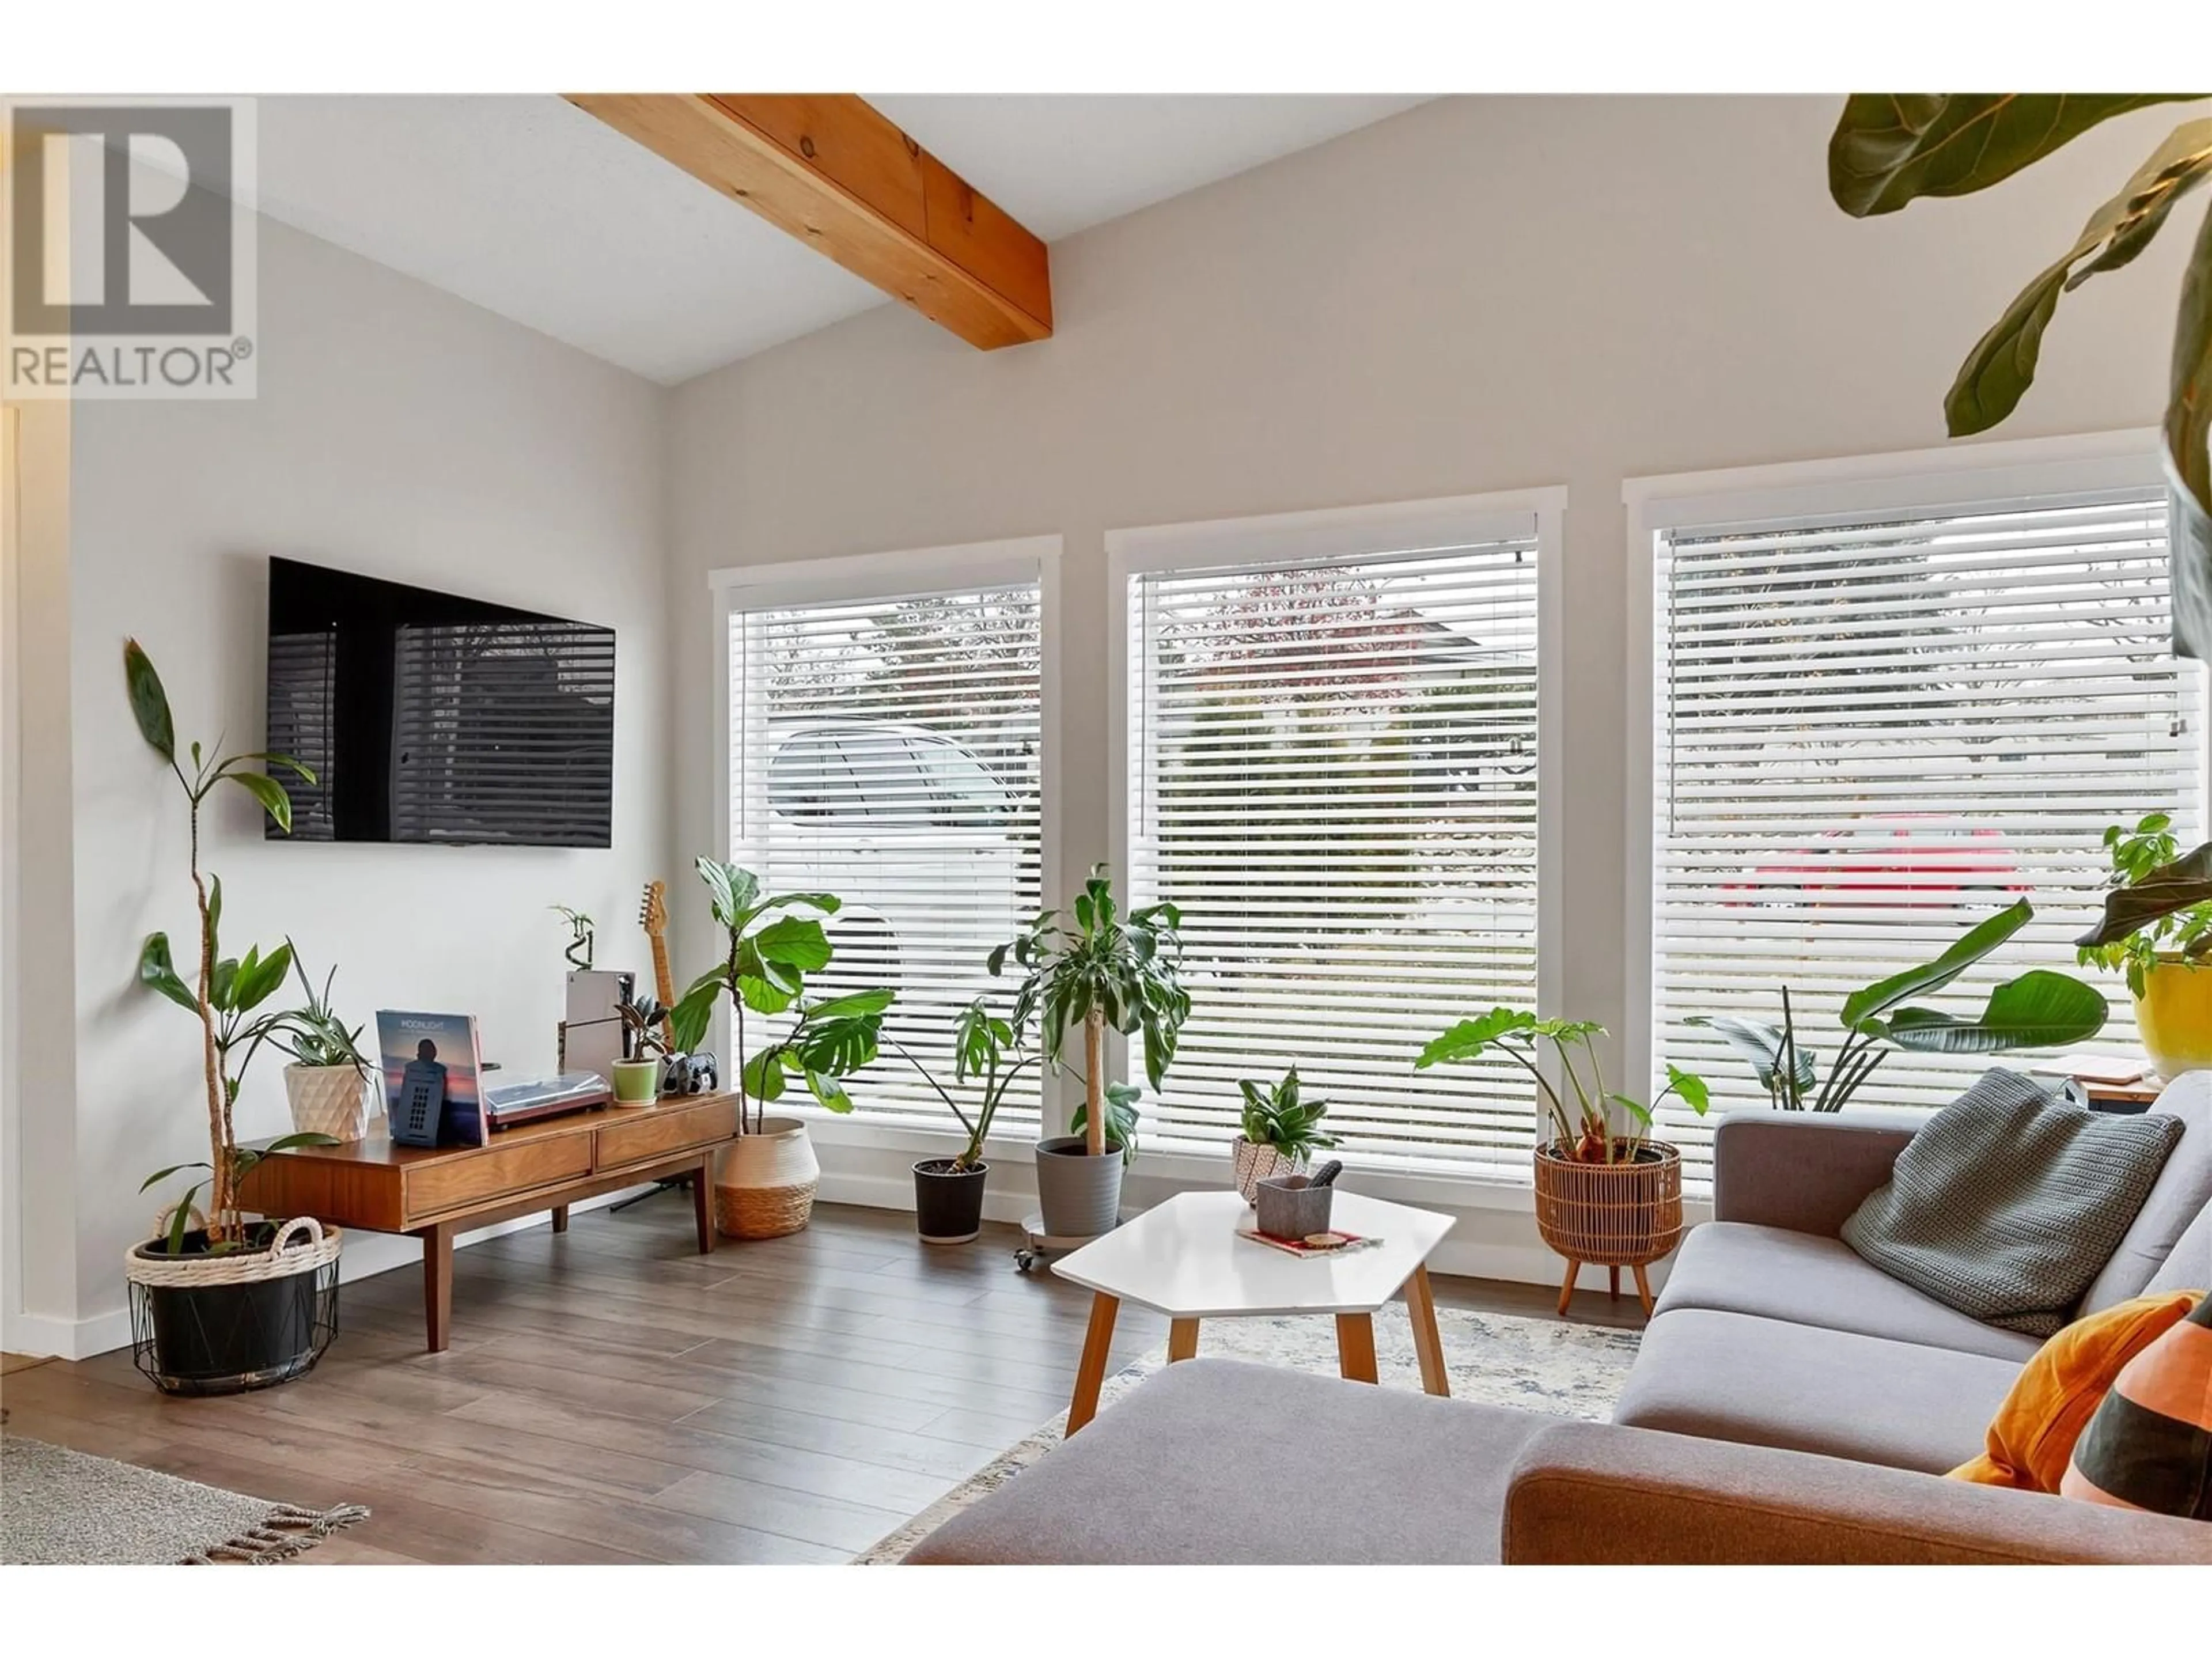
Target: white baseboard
(366, 1255)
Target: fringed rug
(63, 1508)
(1497, 1359)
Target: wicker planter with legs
(1610, 1215)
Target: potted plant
(2157, 929)
(578, 950)
(948, 1192)
(2041, 1009)
(228, 1304)
(637, 1079)
(1282, 1130)
(328, 1083)
(764, 1183)
(1604, 1195)
(1107, 970)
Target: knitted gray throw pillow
(2009, 1199)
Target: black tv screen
(427, 717)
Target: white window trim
(1345, 532)
(1959, 477)
(891, 576)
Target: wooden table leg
(1428, 1341)
(560, 1217)
(702, 1203)
(1643, 1290)
(1567, 1286)
(1355, 1348)
(438, 1283)
(1183, 1339)
(1612, 1283)
(1090, 1374)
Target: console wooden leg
(1090, 1374)
(1183, 1339)
(1612, 1283)
(438, 1284)
(1567, 1286)
(1428, 1341)
(560, 1217)
(1643, 1290)
(1355, 1348)
(702, 1203)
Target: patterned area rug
(1498, 1359)
(63, 1508)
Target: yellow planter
(2174, 1015)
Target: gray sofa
(1790, 1404)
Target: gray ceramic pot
(1080, 1196)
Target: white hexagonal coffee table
(1184, 1258)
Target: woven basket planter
(764, 1182)
(1256, 1161)
(328, 1100)
(1610, 1215)
(221, 1324)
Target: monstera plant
(1892, 147)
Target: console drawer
(662, 1131)
(451, 1183)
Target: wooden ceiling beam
(833, 171)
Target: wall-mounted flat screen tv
(428, 717)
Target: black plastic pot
(226, 1338)
(948, 1203)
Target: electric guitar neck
(653, 916)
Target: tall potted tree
(230, 1304)
(764, 1185)
(1108, 971)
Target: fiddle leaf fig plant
(1891, 148)
(224, 994)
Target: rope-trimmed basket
(1611, 1215)
(281, 1260)
(764, 1182)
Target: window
(886, 750)
(1332, 769)
(1875, 724)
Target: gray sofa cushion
(2183, 1188)
(1213, 1461)
(1764, 1383)
(2189, 1268)
(1733, 1267)
(2011, 1201)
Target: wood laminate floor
(609, 1395)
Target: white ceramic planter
(764, 1182)
(328, 1100)
(1255, 1161)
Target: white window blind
(1874, 731)
(886, 751)
(1333, 772)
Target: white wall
(399, 433)
(1480, 295)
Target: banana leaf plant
(763, 971)
(1107, 970)
(225, 994)
(985, 1052)
(1891, 148)
(2160, 901)
(1585, 1130)
(2041, 1009)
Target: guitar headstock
(653, 911)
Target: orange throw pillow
(2060, 1388)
